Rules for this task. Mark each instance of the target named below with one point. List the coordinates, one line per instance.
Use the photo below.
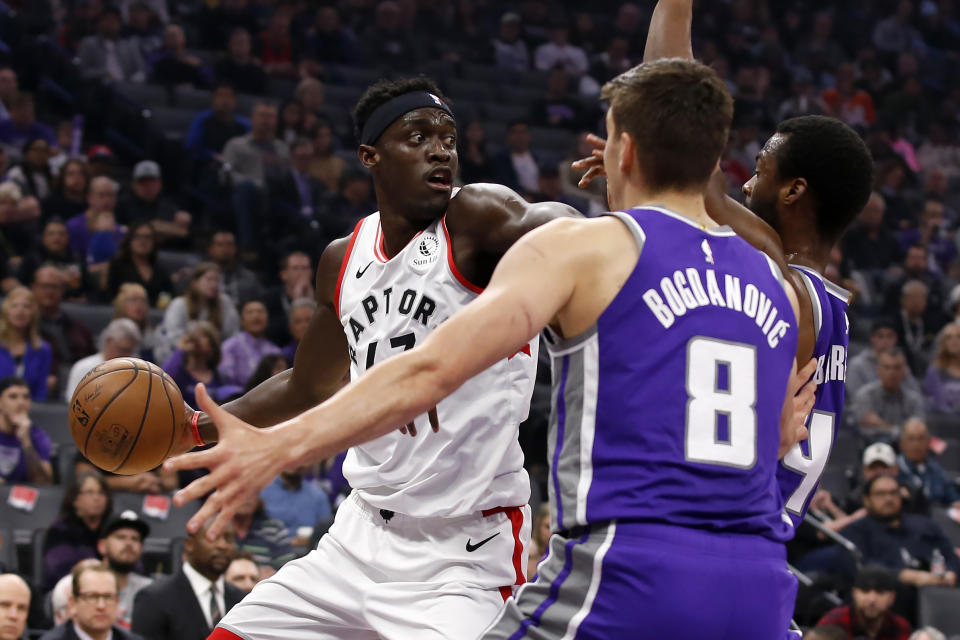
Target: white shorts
(392, 577)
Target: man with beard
(120, 546)
(913, 547)
(168, 609)
(869, 615)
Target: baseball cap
(879, 452)
(146, 169)
(99, 152)
(875, 578)
(126, 520)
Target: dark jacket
(67, 542)
(66, 632)
(168, 609)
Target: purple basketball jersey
(800, 471)
(668, 409)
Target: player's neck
(689, 205)
(398, 230)
(802, 249)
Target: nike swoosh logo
(473, 547)
(360, 272)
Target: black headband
(385, 115)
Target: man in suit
(517, 166)
(188, 604)
(94, 603)
(296, 195)
(108, 58)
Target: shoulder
(869, 389)
(123, 634)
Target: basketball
(124, 415)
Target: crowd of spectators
(182, 164)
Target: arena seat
(847, 450)
(342, 95)
(482, 73)
(937, 608)
(950, 458)
(172, 122)
(54, 419)
(65, 463)
(505, 112)
(557, 141)
(173, 261)
(191, 98)
(951, 528)
(45, 510)
(93, 316)
(469, 89)
(8, 550)
(162, 531)
(146, 95)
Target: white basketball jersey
(389, 306)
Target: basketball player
(440, 525)
(812, 179)
(673, 342)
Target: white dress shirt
(201, 588)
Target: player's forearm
(669, 33)
(725, 210)
(278, 398)
(391, 394)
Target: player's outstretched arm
(320, 367)
(669, 33)
(534, 281)
(762, 236)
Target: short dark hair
(250, 300)
(386, 90)
(883, 323)
(836, 164)
(84, 567)
(678, 113)
(12, 381)
(868, 487)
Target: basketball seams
(93, 427)
(100, 375)
(143, 418)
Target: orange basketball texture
(125, 415)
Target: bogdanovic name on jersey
(684, 291)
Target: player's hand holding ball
(126, 416)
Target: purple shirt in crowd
(240, 355)
(80, 235)
(13, 464)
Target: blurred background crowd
(172, 169)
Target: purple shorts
(641, 581)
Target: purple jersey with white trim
(668, 409)
(800, 471)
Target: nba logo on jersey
(428, 252)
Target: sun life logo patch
(427, 251)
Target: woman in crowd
(326, 165)
(54, 250)
(293, 122)
(243, 352)
(22, 352)
(74, 534)
(476, 165)
(136, 261)
(33, 175)
(202, 301)
(131, 302)
(942, 384)
(69, 196)
(195, 360)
